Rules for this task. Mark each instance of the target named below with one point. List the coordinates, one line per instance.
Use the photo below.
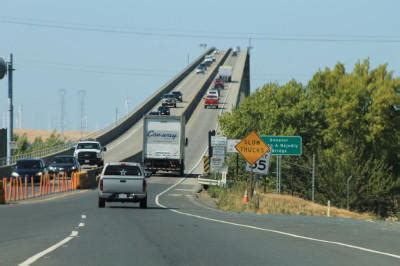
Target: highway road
(181, 228)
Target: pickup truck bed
(128, 186)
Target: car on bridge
(164, 110)
(123, 182)
(200, 69)
(30, 168)
(219, 83)
(168, 100)
(213, 92)
(154, 112)
(64, 164)
(211, 100)
(178, 95)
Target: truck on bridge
(225, 73)
(164, 144)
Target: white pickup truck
(123, 182)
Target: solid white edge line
(157, 200)
(46, 251)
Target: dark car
(154, 112)
(30, 168)
(64, 164)
(219, 83)
(163, 110)
(178, 95)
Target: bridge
(124, 138)
(180, 227)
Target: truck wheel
(143, 203)
(102, 203)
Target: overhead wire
(233, 36)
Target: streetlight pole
(7, 67)
(347, 191)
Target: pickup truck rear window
(122, 170)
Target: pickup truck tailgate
(122, 184)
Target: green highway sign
(284, 145)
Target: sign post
(252, 148)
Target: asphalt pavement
(182, 230)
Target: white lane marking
(184, 189)
(174, 195)
(47, 251)
(43, 253)
(83, 216)
(265, 229)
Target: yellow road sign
(252, 147)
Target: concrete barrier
(87, 180)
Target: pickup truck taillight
(101, 184)
(144, 185)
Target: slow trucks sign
(162, 136)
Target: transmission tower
(83, 119)
(62, 110)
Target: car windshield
(63, 160)
(177, 93)
(212, 97)
(122, 170)
(31, 164)
(168, 96)
(88, 145)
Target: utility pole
(10, 131)
(313, 177)
(127, 102)
(82, 95)
(62, 110)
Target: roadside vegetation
(25, 146)
(268, 203)
(347, 119)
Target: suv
(168, 100)
(178, 95)
(30, 168)
(89, 152)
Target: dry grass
(232, 200)
(45, 134)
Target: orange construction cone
(245, 197)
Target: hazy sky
(125, 50)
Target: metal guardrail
(38, 153)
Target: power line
(76, 69)
(247, 35)
(107, 67)
(328, 39)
